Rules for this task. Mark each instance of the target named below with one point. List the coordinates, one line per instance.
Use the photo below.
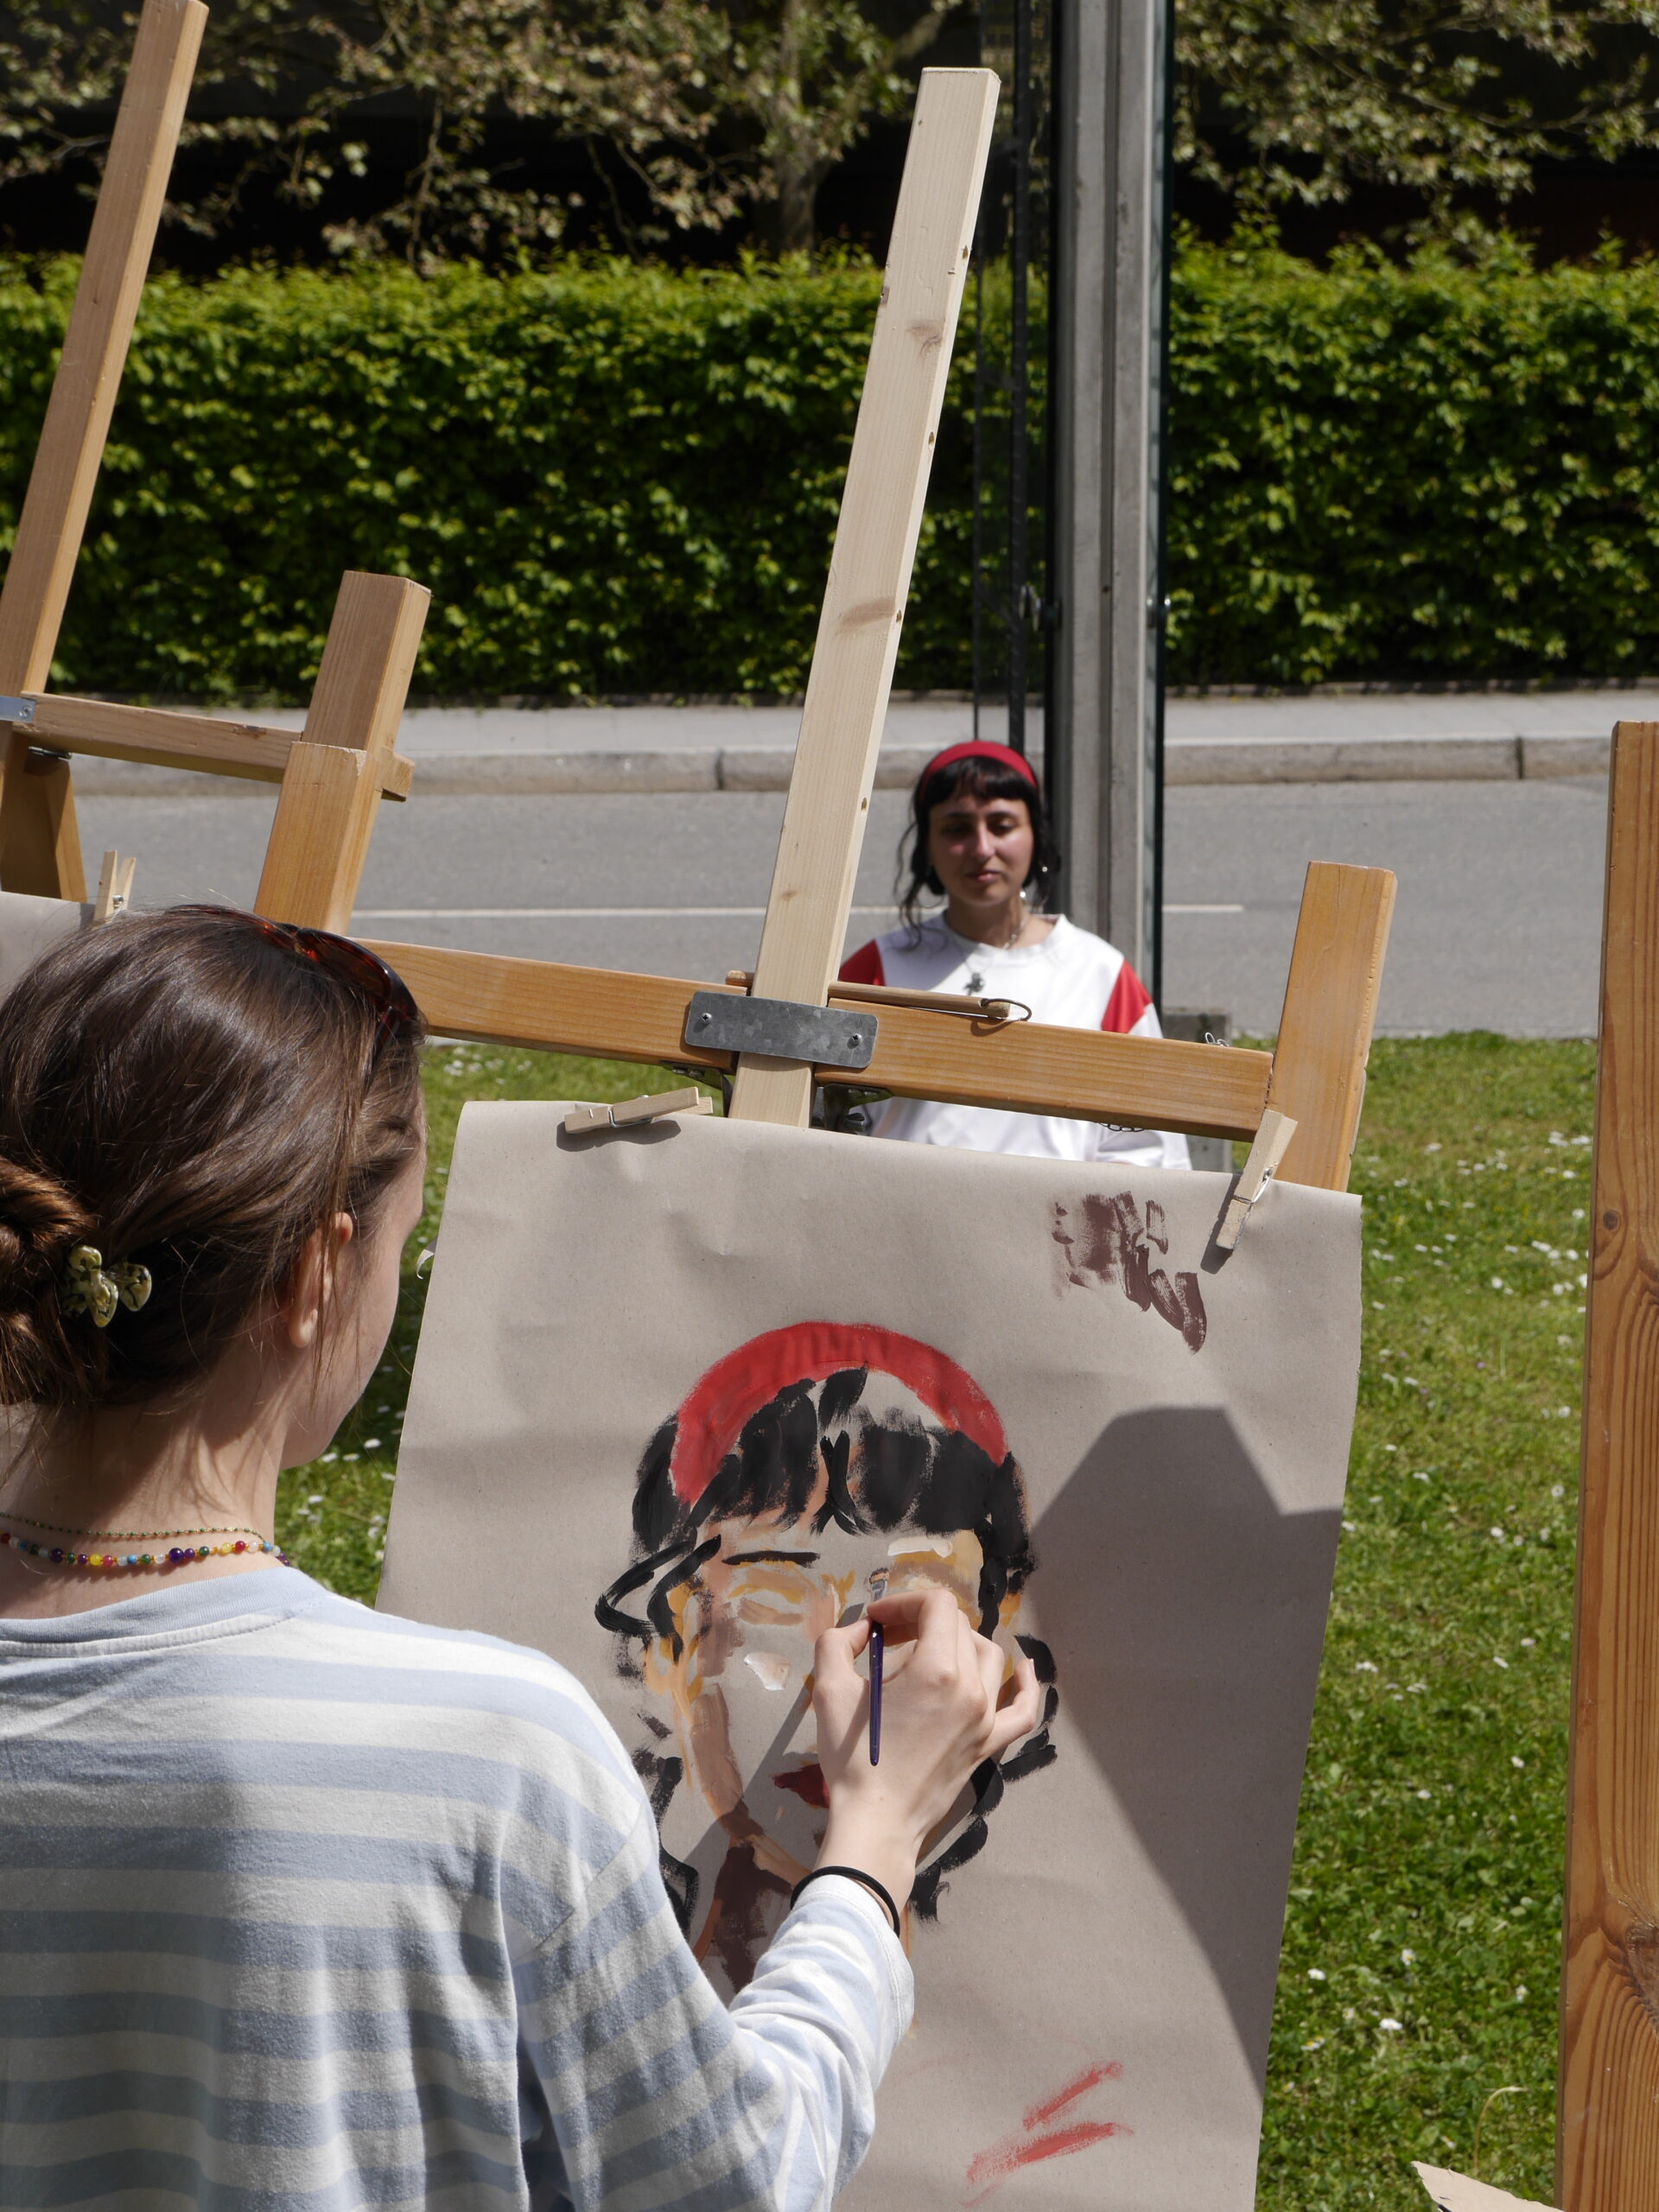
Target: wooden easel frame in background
(1607, 2134)
(334, 772)
(1317, 1074)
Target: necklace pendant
(975, 984)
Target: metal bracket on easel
(782, 1029)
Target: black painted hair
(907, 1474)
(982, 779)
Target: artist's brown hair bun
(41, 1223)
(182, 1091)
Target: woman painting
(307, 1907)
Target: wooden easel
(335, 772)
(1316, 1076)
(1607, 2134)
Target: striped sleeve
(864, 966)
(655, 2094)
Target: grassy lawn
(1421, 1953)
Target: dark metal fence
(1012, 611)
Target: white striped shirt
(304, 1908)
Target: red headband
(718, 1406)
(981, 748)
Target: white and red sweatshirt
(1073, 980)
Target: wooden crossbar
(1023, 1066)
(257, 751)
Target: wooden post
(1608, 2137)
(40, 850)
(1325, 1032)
(870, 570)
(331, 789)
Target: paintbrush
(878, 1650)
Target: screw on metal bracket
(17, 710)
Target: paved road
(1497, 927)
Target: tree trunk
(788, 222)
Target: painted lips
(807, 1782)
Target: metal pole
(1018, 382)
(1107, 293)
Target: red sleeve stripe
(865, 965)
(1129, 1001)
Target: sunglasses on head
(351, 963)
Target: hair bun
(41, 1223)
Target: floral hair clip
(91, 1287)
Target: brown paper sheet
(1457, 2193)
(29, 927)
(1066, 1401)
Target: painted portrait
(690, 1394)
(811, 1469)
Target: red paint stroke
(711, 1419)
(1026, 2147)
(1090, 2079)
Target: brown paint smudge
(1112, 1244)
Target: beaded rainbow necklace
(248, 1539)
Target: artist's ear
(312, 1280)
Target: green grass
(1426, 1888)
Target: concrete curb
(766, 768)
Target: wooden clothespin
(582, 1120)
(1272, 1142)
(114, 887)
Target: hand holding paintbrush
(939, 1712)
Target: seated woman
(980, 834)
(306, 1905)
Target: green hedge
(622, 480)
(1412, 473)
(612, 479)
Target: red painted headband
(982, 748)
(718, 1407)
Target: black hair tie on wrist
(853, 1874)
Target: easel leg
(324, 817)
(40, 843)
(40, 851)
(899, 413)
(1324, 1032)
(1607, 2137)
(319, 839)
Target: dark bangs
(973, 777)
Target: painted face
(740, 1689)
